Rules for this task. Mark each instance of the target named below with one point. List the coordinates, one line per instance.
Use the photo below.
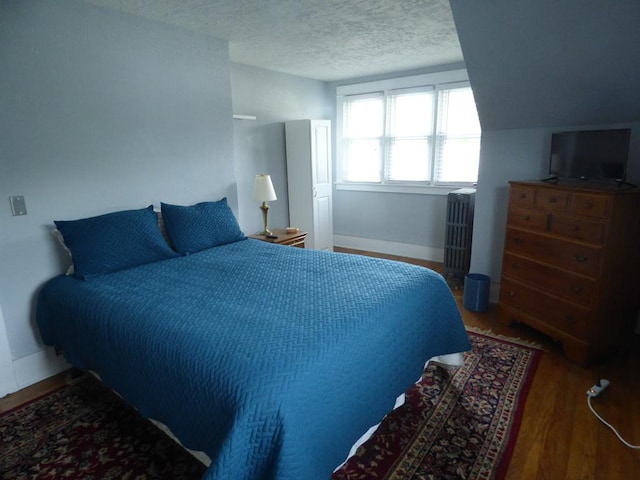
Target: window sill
(410, 189)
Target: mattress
(272, 360)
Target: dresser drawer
(522, 196)
(527, 218)
(571, 256)
(577, 227)
(570, 264)
(550, 310)
(589, 205)
(552, 200)
(572, 288)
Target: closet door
(309, 180)
(321, 181)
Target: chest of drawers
(571, 265)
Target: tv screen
(590, 154)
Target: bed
(270, 359)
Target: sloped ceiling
(552, 63)
(323, 40)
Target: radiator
(458, 233)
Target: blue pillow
(201, 226)
(115, 241)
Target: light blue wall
(99, 112)
(551, 63)
(392, 217)
(102, 111)
(505, 155)
(401, 218)
(273, 98)
(517, 154)
(535, 68)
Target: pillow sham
(200, 226)
(162, 227)
(56, 233)
(114, 241)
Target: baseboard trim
(38, 366)
(403, 250)
(421, 252)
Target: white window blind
(423, 134)
(458, 151)
(410, 135)
(364, 127)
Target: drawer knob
(515, 266)
(511, 293)
(575, 228)
(522, 195)
(576, 289)
(526, 218)
(587, 205)
(581, 258)
(553, 200)
(518, 241)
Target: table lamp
(263, 192)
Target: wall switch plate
(18, 205)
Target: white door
(7, 375)
(321, 180)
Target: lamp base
(265, 210)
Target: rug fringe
(516, 340)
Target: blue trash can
(476, 292)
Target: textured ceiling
(324, 40)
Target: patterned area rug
(86, 432)
(460, 424)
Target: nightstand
(284, 238)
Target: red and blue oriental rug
(454, 424)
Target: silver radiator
(458, 234)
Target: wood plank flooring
(36, 390)
(559, 437)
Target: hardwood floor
(559, 437)
(34, 391)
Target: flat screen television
(590, 154)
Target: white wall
(101, 111)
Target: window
(411, 132)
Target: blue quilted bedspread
(273, 360)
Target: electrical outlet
(597, 389)
(18, 205)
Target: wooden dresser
(571, 264)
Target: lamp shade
(263, 189)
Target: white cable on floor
(608, 425)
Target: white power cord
(594, 392)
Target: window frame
(438, 80)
